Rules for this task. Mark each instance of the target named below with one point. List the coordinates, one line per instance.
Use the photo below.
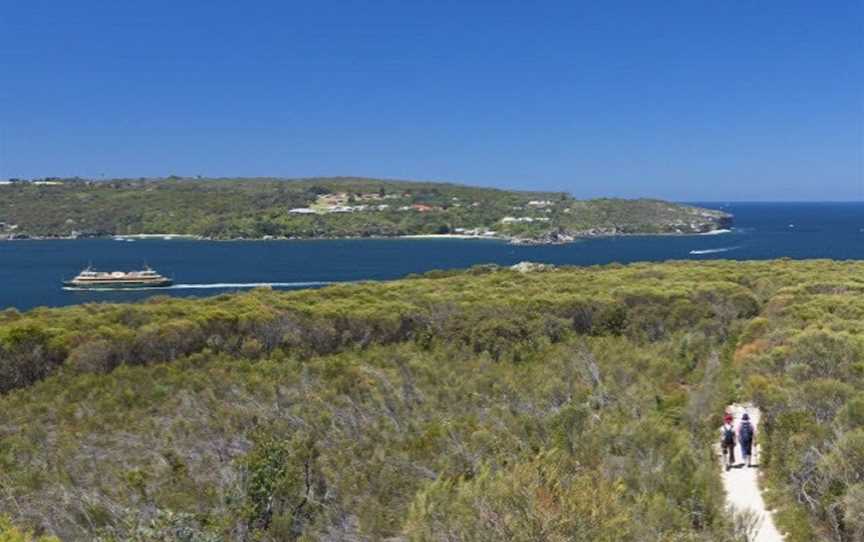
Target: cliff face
(709, 219)
(725, 221)
(601, 218)
(702, 221)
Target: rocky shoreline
(548, 238)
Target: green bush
(477, 405)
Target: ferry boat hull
(116, 285)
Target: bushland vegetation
(565, 404)
(258, 208)
(803, 360)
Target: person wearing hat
(727, 442)
(746, 437)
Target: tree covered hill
(325, 207)
(490, 404)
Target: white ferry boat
(103, 280)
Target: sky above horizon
(679, 100)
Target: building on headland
(528, 219)
(320, 208)
(338, 198)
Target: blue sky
(684, 100)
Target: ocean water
(31, 271)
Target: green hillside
(325, 207)
(492, 404)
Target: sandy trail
(742, 488)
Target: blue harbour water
(31, 271)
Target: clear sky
(685, 100)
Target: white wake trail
(208, 286)
(713, 250)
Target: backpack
(729, 436)
(745, 432)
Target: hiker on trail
(746, 437)
(728, 440)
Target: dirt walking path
(742, 488)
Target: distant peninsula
(326, 208)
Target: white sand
(742, 488)
(448, 236)
(156, 236)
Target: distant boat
(115, 280)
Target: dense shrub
(498, 312)
(28, 353)
(803, 360)
(9, 533)
(567, 404)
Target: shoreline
(451, 236)
(427, 236)
(165, 236)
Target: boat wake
(713, 250)
(210, 286)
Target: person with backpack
(727, 442)
(746, 437)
